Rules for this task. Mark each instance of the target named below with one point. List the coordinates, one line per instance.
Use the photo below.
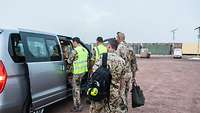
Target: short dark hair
(113, 43)
(99, 39)
(76, 39)
(118, 33)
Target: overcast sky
(140, 20)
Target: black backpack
(99, 86)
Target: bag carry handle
(104, 60)
(135, 82)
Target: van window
(37, 47)
(16, 49)
(67, 48)
(41, 47)
(54, 50)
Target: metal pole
(198, 41)
(198, 28)
(173, 35)
(173, 43)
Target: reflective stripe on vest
(99, 50)
(80, 65)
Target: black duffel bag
(138, 98)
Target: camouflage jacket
(117, 68)
(72, 57)
(128, 55)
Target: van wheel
(27, 106)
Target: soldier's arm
(118, 51)
(134, 67)
(72, 57)
(134, 64)
(97, 65)
(93, 55)
(123, 70)
(122, 52)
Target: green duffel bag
(138, 98)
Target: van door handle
(63, 67)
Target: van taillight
(3, 76)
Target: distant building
(190, 48)
(163, 48)
(156, 48)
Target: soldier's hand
(133, 80)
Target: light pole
(173, 37)
(198, 28)
(173, 33)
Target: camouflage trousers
(97, 107)
(125, 89)
(76, 84)
(114, 105)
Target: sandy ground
(169, 85)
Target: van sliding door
(45, 67)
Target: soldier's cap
(99, 39)
(112, 42)
(76, 39)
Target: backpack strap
(104, 59)
(104, 64)
(98, 52)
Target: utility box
(144, 53)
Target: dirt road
(169, 85)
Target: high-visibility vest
(80, 65)
(86, 57)
(99, 50)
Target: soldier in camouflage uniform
(115, 103)
(128, 55)
(76, 80)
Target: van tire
(27, 106)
